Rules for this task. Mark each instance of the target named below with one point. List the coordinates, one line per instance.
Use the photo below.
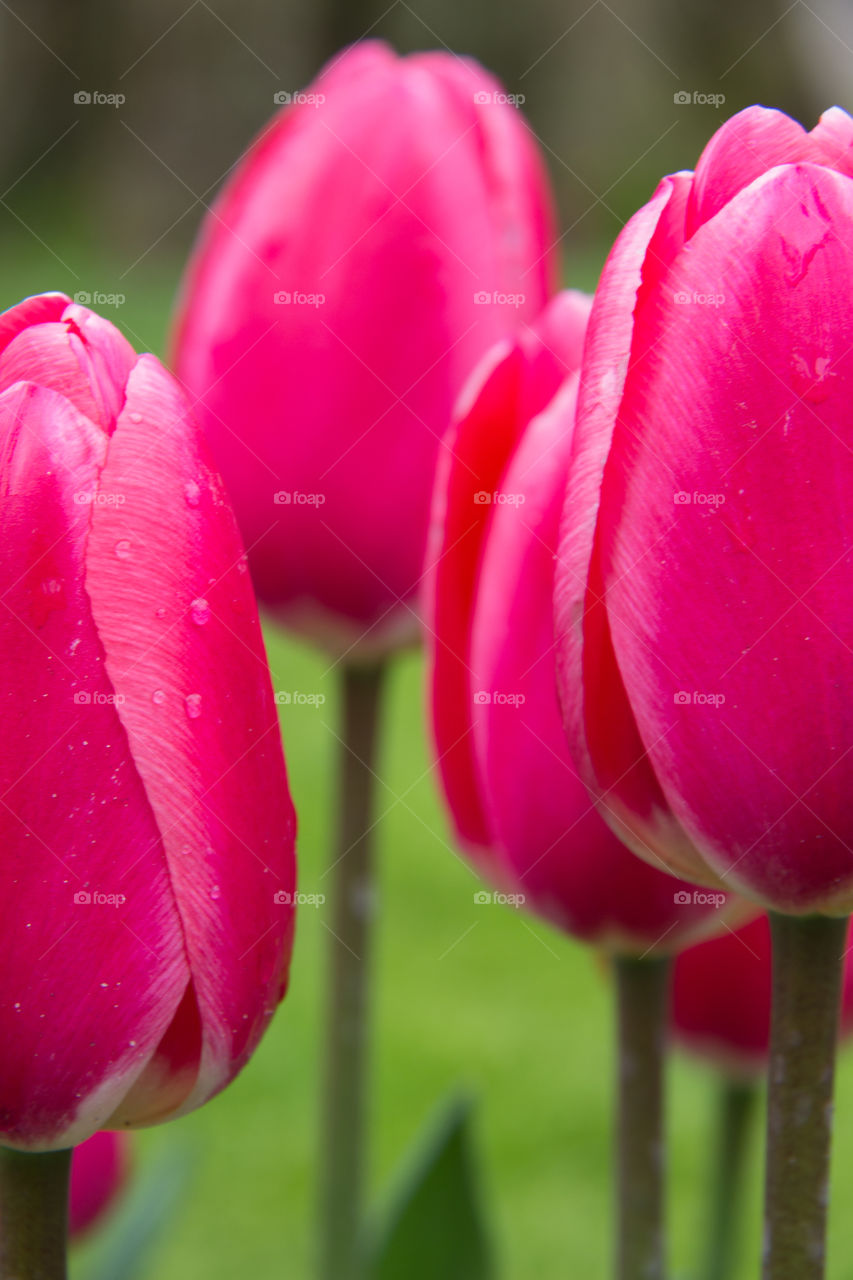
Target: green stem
(642, 1000)
(807, 965)
(737, 1104)
(34, 1214)
(343, 1157)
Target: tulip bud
(99, 1170)
(388, 227)
(704, 625)
(146, 821)
(519, 807)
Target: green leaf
(435, 1226)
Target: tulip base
(642, 1001)
(807, 970)
(34, 1214)
(344, 1104)
(737, 1103)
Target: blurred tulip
(704, 619)
(721, 999)
(147, 830)
(517, 803)
(99, 1169)
(383, 232)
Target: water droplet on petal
(200, 611)
(158, 697)
(136, 417)
(215, 892)
(122, 549)
(192, 493)
(159, 613)
(193, 703)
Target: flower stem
(737, 1102)
(642, 1000)
(807, 964)
(34, 1214)
(344, 1130)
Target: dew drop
(192, 493)
(215, 892)
(160, 613)
(136, 417)
(200, 611)
(158, 697)
(122, 549)
(193, 704)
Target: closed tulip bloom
(383, 232)
(721, 998)
(704, 617)
(146, 823)
(99, 1170)
(518, 805)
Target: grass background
(465, 995)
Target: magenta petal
(602, 733)
(95, 959)
(41, 308)
(726, 557)
(98, 1172)
(177, 617)
(513, 383)
(569, 865)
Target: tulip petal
(513, 383)
(571, 867)
(603, 736)
(177, 617)
(82, 1001)
(726, 570)
(41, 308)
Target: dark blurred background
(125, 185)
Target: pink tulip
(99, 1170)
(703, 586)
(518, 805)
(382, 233)
(147, 830)
(721, 998)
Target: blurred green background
(107, 200)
